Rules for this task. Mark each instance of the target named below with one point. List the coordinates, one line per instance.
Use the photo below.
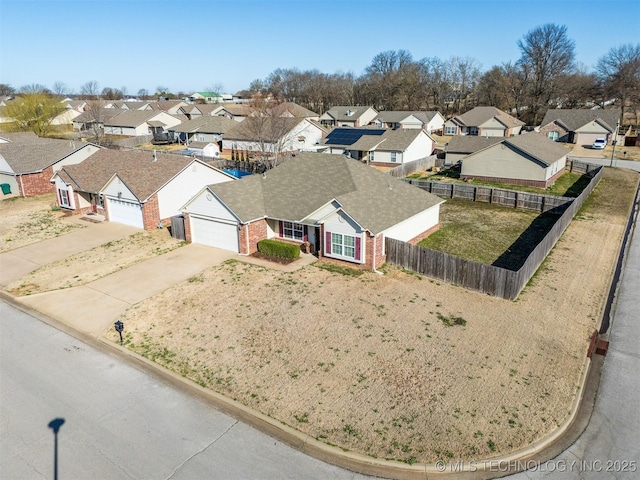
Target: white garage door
(128, 213)
(214, 234)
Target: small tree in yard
(35, 112)
(267, 131)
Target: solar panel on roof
(349, 136)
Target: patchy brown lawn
(96, 263)
(30, 220)
(396, 366)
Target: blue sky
(190, 45)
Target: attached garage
(214, 233)
(128, 213)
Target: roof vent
(155, 156)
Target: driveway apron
(94, 307)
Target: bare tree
(619, 74)
(143, 94)
(90, 90)
(60, 89)
(109, 93)
(267, 131)
(34, 88)
(547, 54)
(6, 90)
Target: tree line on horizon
(545, 76)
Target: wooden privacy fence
(419, 165)
(489, 279)
(499, 196)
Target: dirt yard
(30, 220)
(395, 366)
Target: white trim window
(450, 130)
(394, 157)
(343, 245)
(65, 200)
(372, 156)
(293, 231)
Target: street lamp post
(615, 140)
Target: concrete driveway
(95, 306)
(15, 264)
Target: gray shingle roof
(31, 155)
(538, 146)
(396, 116)
(341, 113)
(205, 124)
(479, 115)
(270, 126)
(132, 118)
(308, 181)
(470, 143)
(135, 168)
(573, 119)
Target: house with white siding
(134, 123)
(429, 121)
(139, 188)
(529, 159)
(342, 209)
(348, 116)
(382, 147)
(484, 122)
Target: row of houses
(343, 210)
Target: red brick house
(27, 162)
(341, 207)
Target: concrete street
(120, 423)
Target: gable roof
(470, 143)
(537, 146)
(348, 136)
(31, 155)
(272, 126)
(137, 169)
(293, 109)
(298, 187)
(572, 119)
(345, 113)
(397, 116)
(133, 118)
(104, 114)
(205, 124)
(479, 115)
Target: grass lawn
(487, 233)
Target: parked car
(599, 144)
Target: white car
(599, 144)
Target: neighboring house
(170, 106)
(348, 116)
(94, 118)
(139, 188)
(28, 162)
(192, 111)
(484, 122)
(530, 159)
(291, 109)
(134, 123)
(202, 129)
(204, 97)
(429, 121)
(235, 112)
(273, 135)
(124, 105)
(461, 146)
(580, 126)
(344, 209)
(383, 147)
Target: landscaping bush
(274, 248)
